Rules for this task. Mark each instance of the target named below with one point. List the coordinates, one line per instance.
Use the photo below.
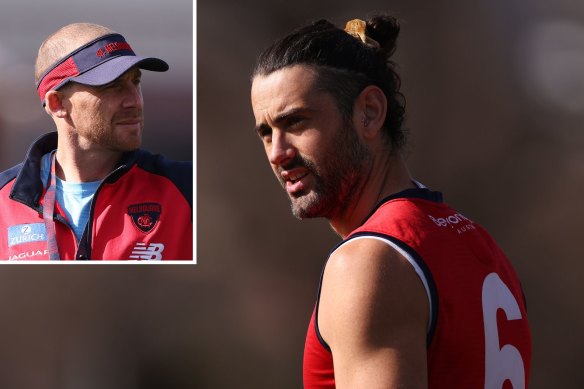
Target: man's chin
(304, 208)
(126, 147)
(130, 144)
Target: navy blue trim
(179, 172)
(9, 175)
(318, 335)
(419, 261)
(427, 273)
(28, 187)
(413, 193)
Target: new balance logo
(151, 252)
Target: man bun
(385, 30)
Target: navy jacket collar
(28, 187)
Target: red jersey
(478, 334)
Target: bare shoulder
(374, 307)
(373, 251)
(368, 265)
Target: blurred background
(495, 101)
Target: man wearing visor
(87, 191)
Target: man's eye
(294, 121)
(264, 133)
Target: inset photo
(96, 135)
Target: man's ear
(54, 104)
(369, 111)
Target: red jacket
(142, 210)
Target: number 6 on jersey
(503, 363)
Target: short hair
(345, 65)
(63, 42)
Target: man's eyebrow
(282, 117)
(285, 115)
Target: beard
(104, 133)
(337, 177)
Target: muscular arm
(373, 314)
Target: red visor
(98, 62)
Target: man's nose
(280, 149)
(133, 96)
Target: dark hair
(345, 65)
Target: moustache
(134, 114)
(297, 162)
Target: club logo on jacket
(145, 216)
(26, 233)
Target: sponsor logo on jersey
(29, 254)
(26, 233)
(145, 216)
(455, 221)
(150, 252)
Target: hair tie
(357, 28)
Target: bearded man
(416, 295)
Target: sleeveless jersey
(478, 333)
